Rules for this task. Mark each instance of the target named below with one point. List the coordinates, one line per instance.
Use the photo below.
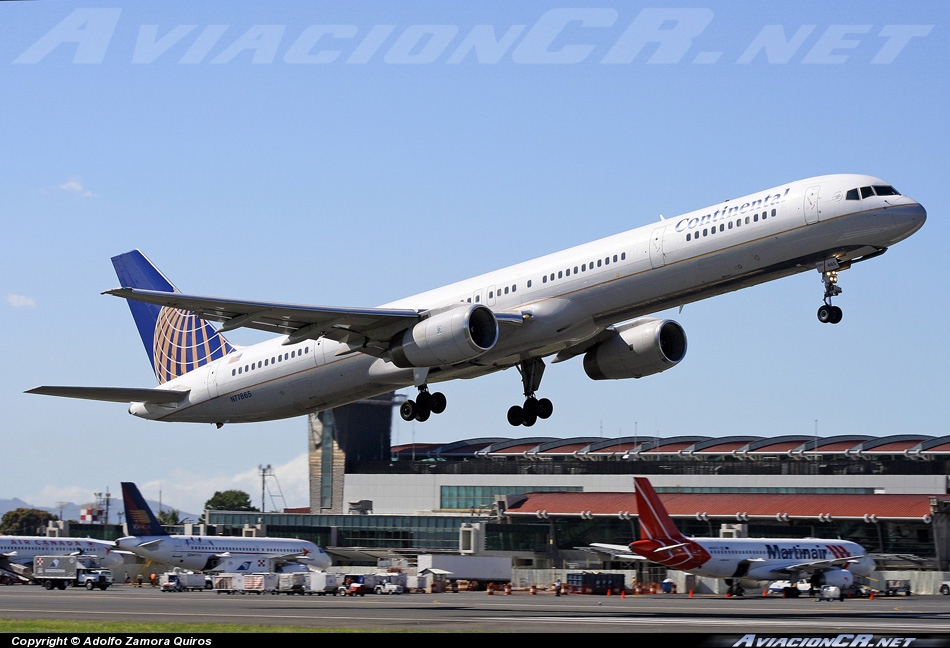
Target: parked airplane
(588, 300)
(740, 561)
(212, 553)
(17, 552)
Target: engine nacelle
(456, 335)
(835, 577)
(646, 347)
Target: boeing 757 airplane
(592, 300)
(212, 553)
(740, 560)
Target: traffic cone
(623, 594)
(691, 594)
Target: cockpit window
(866, 192)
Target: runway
(519, 612)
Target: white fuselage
(203, 552)
(568, 297)
(764, 560)
(22, 549)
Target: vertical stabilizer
(660, 540)
(138, 516)
(655, 522)
(176, 341)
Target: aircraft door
(810, 205)
(213, 379)
(657, 259)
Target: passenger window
(866, 192)
(687, 236)
(851, 195)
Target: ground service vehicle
(60, 572)
(183, 582)
(944, 588)
(830, 593)
(352, 589)
(897, 586)
(323, 583)
(388, 588)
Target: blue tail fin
(176, 341)
(138, 516)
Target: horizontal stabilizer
(114, 394)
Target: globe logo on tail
(183, 342)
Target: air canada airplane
(592, 300)
(740, 561)
(212, 553)
(17, 552)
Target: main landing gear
(828, 314)
(425, 404)
(533, 408)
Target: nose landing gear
(828, 314)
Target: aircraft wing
(113, 394)
(355, 326)
(817, 565)
(615, 551)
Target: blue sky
(354, 153)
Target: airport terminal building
(544, 500)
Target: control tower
(337, 437)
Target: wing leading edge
(354, 326)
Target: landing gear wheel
(423, 414)
(545, 408)
(515, 415)
(828, 314)
(408, 410)
(438, 403)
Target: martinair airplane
(592, 300)
(212, 553)
(740, 561)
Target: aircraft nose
(909, 216)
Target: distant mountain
(70, 511)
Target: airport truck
(60, 572)
(479, 571)
(183, 582)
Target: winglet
(138, 516)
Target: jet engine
(645, 347)
(456, 335)
(836, 577)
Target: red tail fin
(655, 522)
